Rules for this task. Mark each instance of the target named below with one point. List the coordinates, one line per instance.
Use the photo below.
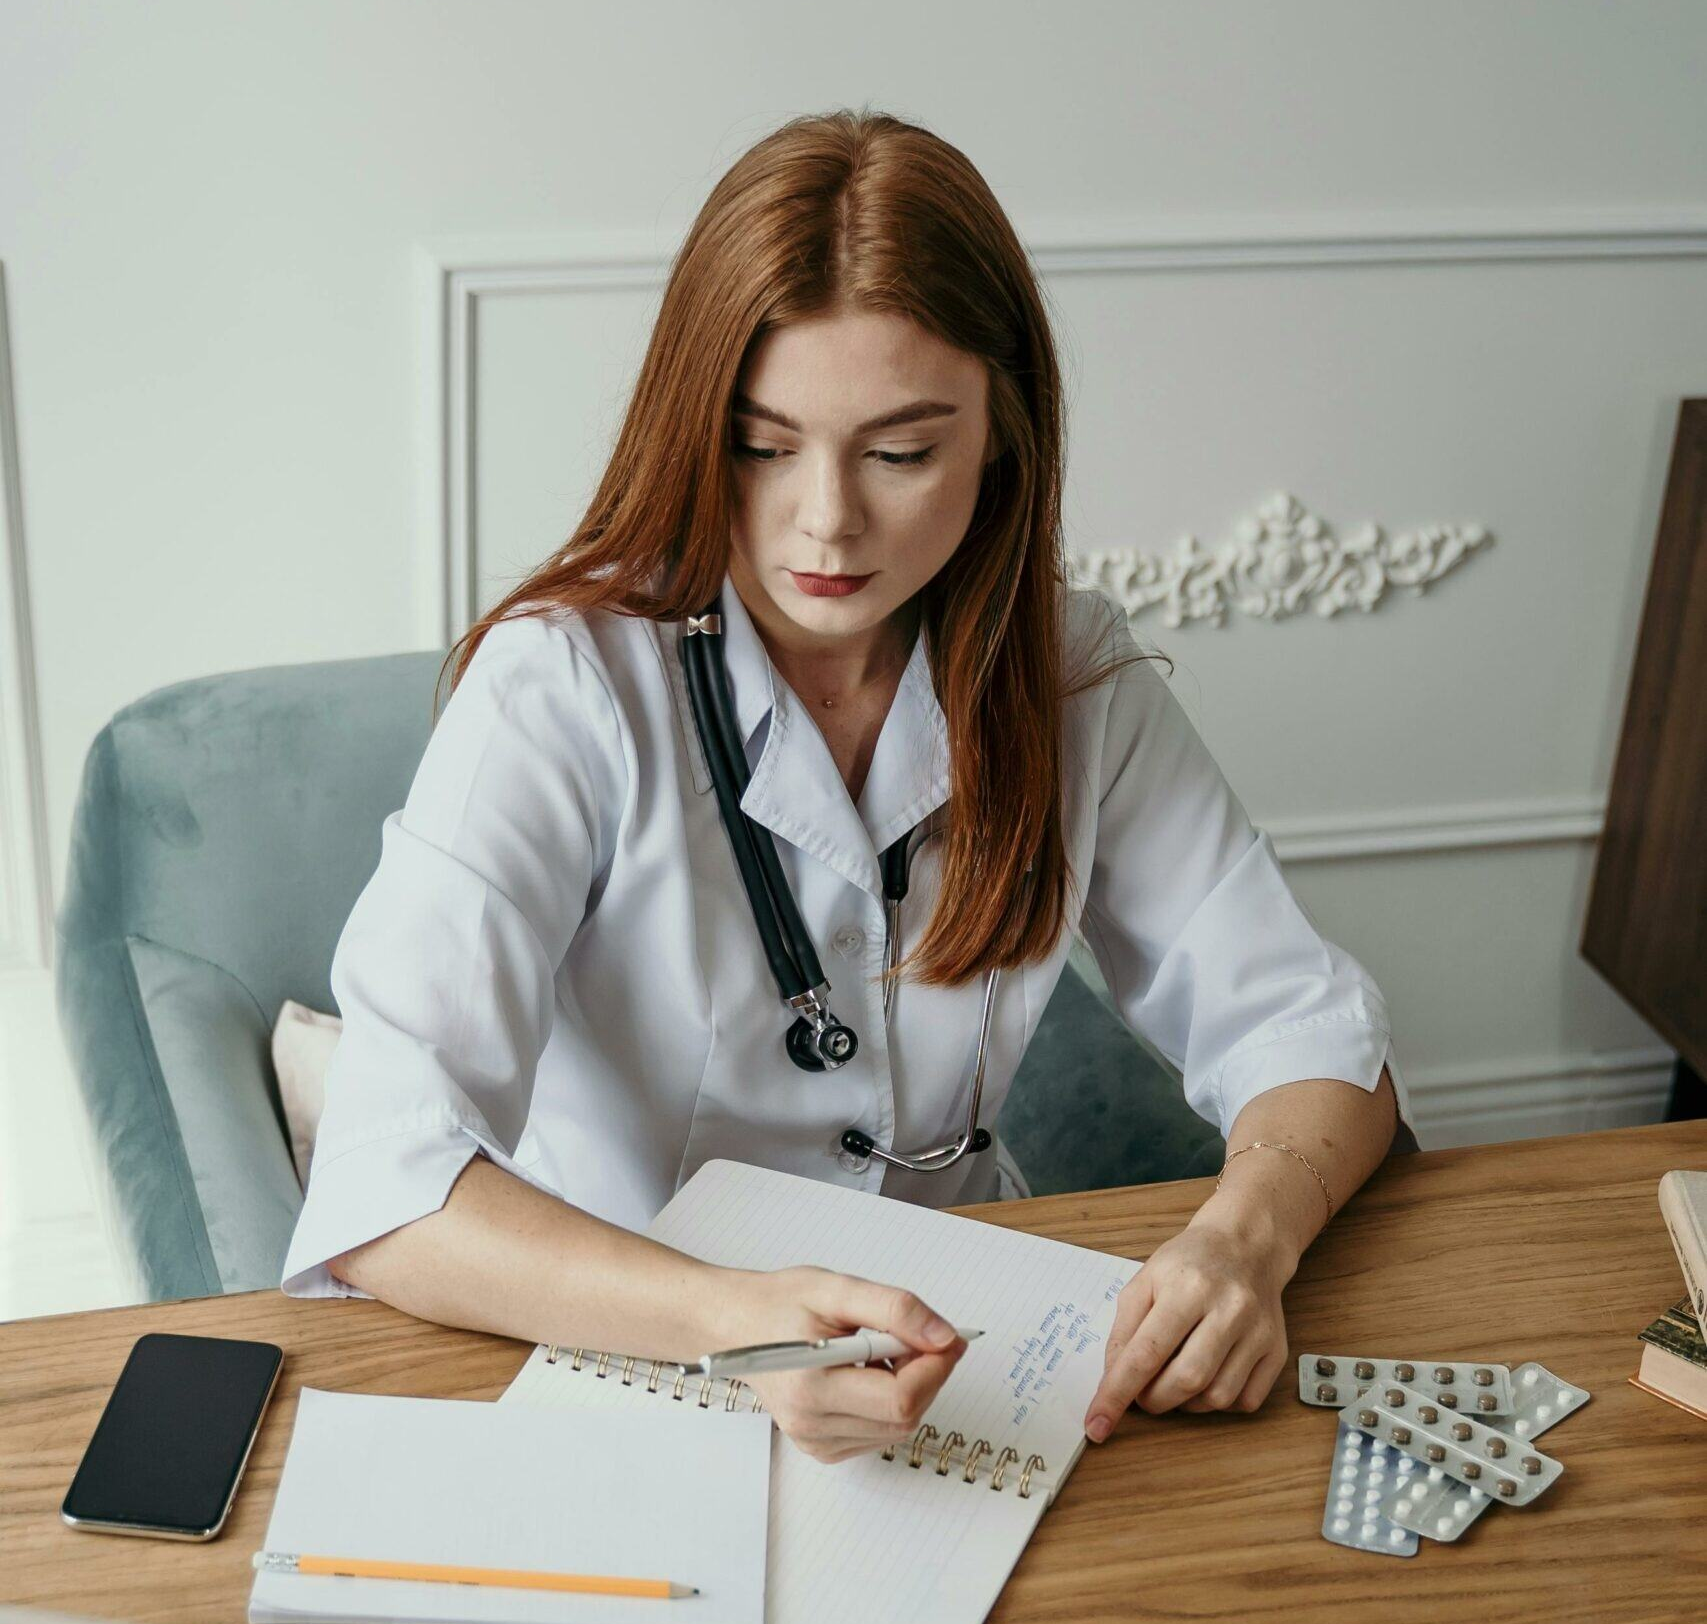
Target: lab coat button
(848, 941)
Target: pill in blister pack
(1443, 1508)
(1470, 1451)
(1467, 1385)
(1539, 1400)
(1437, 1505)
(1364, 1469)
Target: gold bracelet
(1263, 1144)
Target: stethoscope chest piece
(819, 1050)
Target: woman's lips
(828, 586)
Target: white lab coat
(555, 962)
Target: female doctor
(757, 825)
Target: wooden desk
(1550, 1249)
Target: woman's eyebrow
(917, 412)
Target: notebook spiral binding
(732, 1396)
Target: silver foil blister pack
(1364, 1471)
(1442, 1507)
(1505, 1468)
(1470, 1386)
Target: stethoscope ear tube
(796, 938)
(783, 968)
(816, 1040)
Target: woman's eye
(906, 459)
(890, 459)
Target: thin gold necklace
(829, 703)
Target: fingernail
(940, 1332)
(1098, 1428)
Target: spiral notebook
(932, 1529)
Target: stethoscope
(816, 1041)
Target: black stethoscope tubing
(817, 1040)
(793, 961)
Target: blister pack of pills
(1364, 1470)
(1441, 1507)
(1505, 1468)
(1334, 1379)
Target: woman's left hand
(1199, 1326)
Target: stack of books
(1674, 1360)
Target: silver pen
(861, 1348)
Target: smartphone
(170, 1447)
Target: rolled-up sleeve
(445, 972)
(1206, 951)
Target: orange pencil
(361, 1567)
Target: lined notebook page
(869, 1538)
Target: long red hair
(863, 210)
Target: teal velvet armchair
(222, 833)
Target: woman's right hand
(839, 1411)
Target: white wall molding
(1456, 236)
(454, 273)
(26, 903)
(1281, 560)
(1464, 1104)
(1544, 820)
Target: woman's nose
(830, 508)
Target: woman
(843, 460)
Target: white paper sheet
(655, 1496)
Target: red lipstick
(828, 586)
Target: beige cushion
(303, 1041)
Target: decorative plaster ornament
(1280, 560)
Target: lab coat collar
(796, 790)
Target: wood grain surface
(1548, 1249)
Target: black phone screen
(170, 1444)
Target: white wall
(1412, 265)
